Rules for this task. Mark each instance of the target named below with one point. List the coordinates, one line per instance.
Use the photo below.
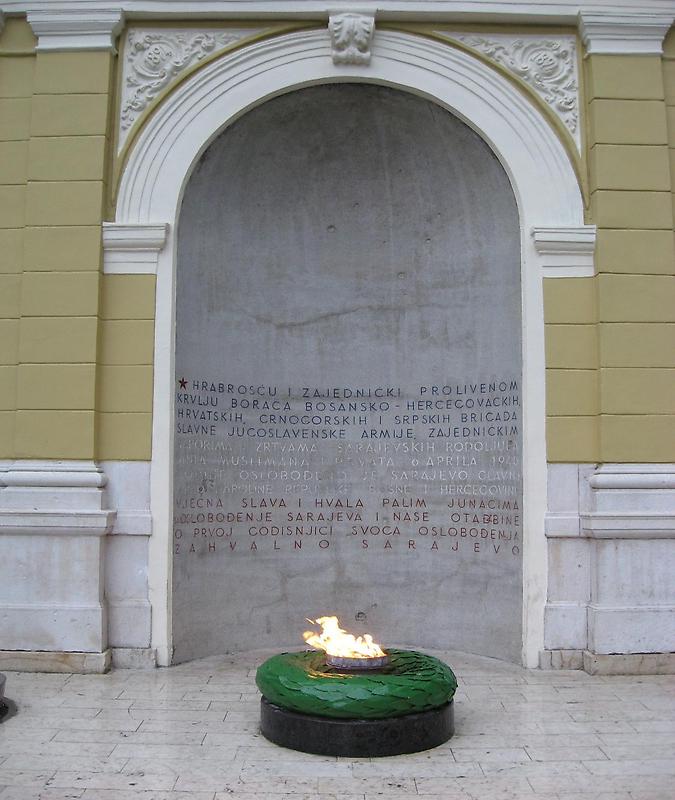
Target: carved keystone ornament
(351, 37)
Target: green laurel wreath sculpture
(412, 682)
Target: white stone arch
(537, 163)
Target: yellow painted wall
(570, 316)
(17, 72)
(609, 339)
(124, 407)
(631, 203)
(64, 201)
(76, 347)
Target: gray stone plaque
(348, 366)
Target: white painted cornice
(614, 34)
(75, 26)
(517, 11)
(132, 249)
(565, 252)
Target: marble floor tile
(117, 794)
(32, 761)
(30, 778)
(191, 733)
(656, 725)
(417, 770)
(138, 781)
(491, 754)
(642, 752)
(655, 766)
(28, 793)
(566, 753)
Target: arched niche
(348, 333)
(539, 169)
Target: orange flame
(337, 642)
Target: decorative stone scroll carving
(153, 58)
(351, 37)
(549, 66)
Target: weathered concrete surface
(348, 237)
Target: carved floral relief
(548, 66)
(153, 58)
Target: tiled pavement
(190, 733)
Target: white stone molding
(132, 249)
(53, 473)
(616, 33)
(54, 498)
(154, 57)
(55, 523)
(565, 252)
(61, 487)
(351, 35)
(607, 525)
(548, 65)
(634, 476)
(64, 27)
(539, 168)
(631, 501)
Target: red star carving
(183, 383)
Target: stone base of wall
(561, 659)
(133, 658)
(55, 661)
(614, 664)
(75, 537)
(611, 558)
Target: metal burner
(342, 662)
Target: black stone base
(357, 738)
(7, 707)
